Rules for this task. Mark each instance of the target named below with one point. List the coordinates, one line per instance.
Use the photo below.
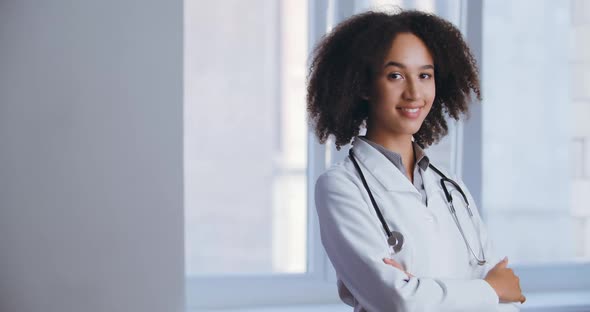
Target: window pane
(536, 186)
(245, 136)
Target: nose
(412, 91)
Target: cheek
(429, 98)
(431, 90)
(388, 99)
(428, 109)
(430, 95)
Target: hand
(505, 283)
(397, 265)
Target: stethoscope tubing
(448, 196)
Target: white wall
(91, 156)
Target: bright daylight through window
(245, 100)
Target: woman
(385, 219)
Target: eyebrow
(400, 65)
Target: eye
(425, 76)
(395, 76)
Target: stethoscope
(396, 239)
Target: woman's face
(404, 89)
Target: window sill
(566, 301)
(571, 301)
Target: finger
(393, 263)
(396, 265)
(503, 263)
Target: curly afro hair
(347, 60)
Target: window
(246, 156)
(536, 106)
(247, 160)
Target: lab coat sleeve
(488, 245)
(356, 246)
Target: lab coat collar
(381, 168)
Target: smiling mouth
(410, 110)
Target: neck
(401, 144)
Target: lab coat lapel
(381, 168)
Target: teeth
(410, 110)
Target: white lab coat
(433, 251)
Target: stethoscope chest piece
(396, 241)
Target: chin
(412, 129)
(406, 127)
